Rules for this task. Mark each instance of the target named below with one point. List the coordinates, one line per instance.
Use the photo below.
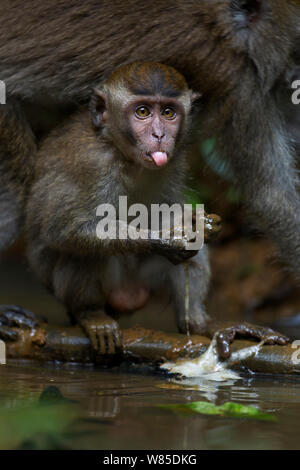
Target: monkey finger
(282, 340)
(111, 349)
(22, 311)
(223, 347)
(16, 319)
(262, 333)
(102, 346)
(224, 339)
(118, 339)
(90, 331)
(23, 316)
(6, 334)
(277, 339)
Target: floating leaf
(229, 409)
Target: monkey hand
(174, 250)
(14, 316)
(103, 332)
(177, 252)
(212, 226)
(226, 333)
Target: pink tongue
(160, 158)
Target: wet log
(69, 344)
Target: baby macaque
(131, 142)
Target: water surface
(117, 408)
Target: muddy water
(118, 411)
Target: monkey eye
(142, 112)
(169, 113)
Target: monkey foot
(14, 316)
(103, 332)
(227, 334)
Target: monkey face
(142, 110)
(152, 129)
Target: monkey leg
(12, 316)
(102, 330)
(264, 169)
(17, 153)
(77, 283)
(228, 332)
(189, 286)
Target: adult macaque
(130, 143)
(233, 51)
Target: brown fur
(233, 51)
(80, 166)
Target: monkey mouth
(159, 158)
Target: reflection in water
(118, 409)
(207, 388)
(103, 407)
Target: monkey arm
(82, 238)
(67, 226)
(265, 172)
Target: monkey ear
(98, 107)
(195, 96)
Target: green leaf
(229, 409)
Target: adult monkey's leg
(17, 153)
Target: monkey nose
(158, 136)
